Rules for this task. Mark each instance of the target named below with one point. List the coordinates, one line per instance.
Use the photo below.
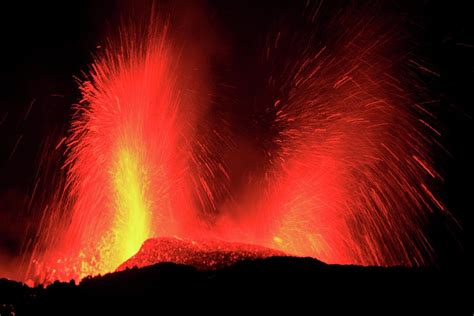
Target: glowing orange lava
(346, 173)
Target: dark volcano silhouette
(215, 275)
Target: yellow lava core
(132, 220)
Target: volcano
(202, 254)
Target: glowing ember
(204, 255)
(344, 145)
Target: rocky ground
(269, 284)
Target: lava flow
(346, 146)
(204, 254)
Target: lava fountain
(348, 143)
(126, 154)
(347, 149)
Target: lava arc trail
(347, 150)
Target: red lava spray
(348, 170)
